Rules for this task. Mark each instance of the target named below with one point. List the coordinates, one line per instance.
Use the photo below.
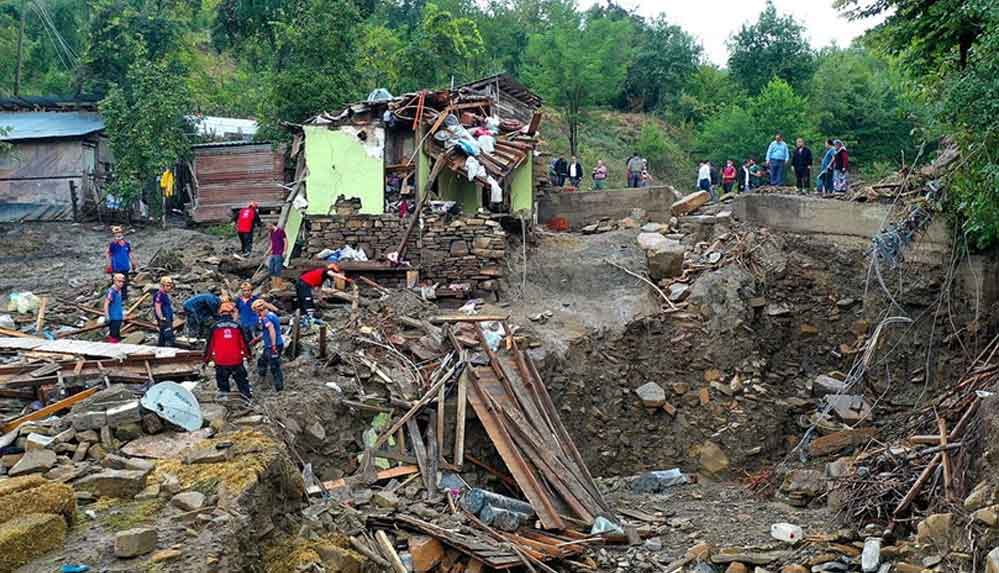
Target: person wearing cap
(313, 279)
(120, 258)
(246, 221)
(273, 345)
(248, 320)
(201, 310)
(114, 308)
(227, 349)
(163, 313)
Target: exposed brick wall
(459, 250)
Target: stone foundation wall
(446, 250)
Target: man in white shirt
(575, 172)
(704, 178)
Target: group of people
(231, 324)
(832, 176)
(561, 172)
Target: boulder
(135, 542)
(188, 501)
(690, 203)
(992, 561)
(665, 262)
(936, 530)
(34, 461)
(987, 515)
(124, 484)
(850, 408)
(983, 494)
(652, 395)
(713, 459)
(385, 499)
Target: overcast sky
(713, 21)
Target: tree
(315, 66)
(665, 157)
(745, 131)
(443, 46)
(664, 61)
(709, 91)
(579, 64)
(145, 119)
(857, 98)
(925, 32)
(775, 46)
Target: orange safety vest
(244, 224)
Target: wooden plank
(383, 475)
(40, 321)
(420, 450)
(15, 333)
(50, 409)
(389, 552)
(459, 432)
(522, 472)
(433, 452)
(412, 412)
(469, 318)
(441, 395)
(947, 469)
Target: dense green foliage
(773, 47)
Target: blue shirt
(778, 151)
(247, 318)
(166, 306)
(202, 305)
(827, 159)
(119, 252)
(272, 318)
(116, 308)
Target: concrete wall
(583, 208)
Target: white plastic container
(786, 532)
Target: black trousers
(114, 329)
(246, 242)
(271, 361)
(304, 294)
(804, 177)
(238, 372)
(167, 337)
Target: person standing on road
(777, 156)
(600, 176)
(273, 345)
(635, 167)
(246, 221)
(163, 313)
(275, 263)
(120, 258)
(825, 169)
(802, 164)
(114, 308)
(728, 176)
(227, 348)
(841, 163)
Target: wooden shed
(229, 175)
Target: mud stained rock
(723, 299)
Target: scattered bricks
(123, 484)
(426, 552)
(24, 539)
(135, 542)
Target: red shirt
(314, 278)
(226, 345)
(244, 222)
(728, 174)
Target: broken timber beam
(50, 409)
(434, 172)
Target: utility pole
(20, 49)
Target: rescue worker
(163, 313)
(313, 279)
(227, 349)
(248, 320)
(273, 345)
(114, 308)
(246, 220)
(201, 310)
(120, 258)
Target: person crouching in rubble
(246, 220)
(120, 257)
(227, 349)
(273, 345)
(114, 308)
(311, 280)
(200, 309)
(163, 313)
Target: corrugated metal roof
(49, 124)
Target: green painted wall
(522, 188)
(340, 163)
(455, 187)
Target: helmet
(227, 308)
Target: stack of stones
(447, 250)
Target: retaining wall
(583, 208)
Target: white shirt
(572, 171)
(704, 173)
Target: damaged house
(466, 155)
(58, 160)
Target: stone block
(426, 551)
(135, 542)
(652, 395)
(114, 483)
(34, 461)
(124, 414)
(690, 203)
(665, 262)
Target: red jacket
(226, 345)
(245, 219)
(314, 278)
(728, 174)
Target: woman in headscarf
(841, 163)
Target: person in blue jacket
(777, 156)
(273, 345)
(201, 310)
(825, 169)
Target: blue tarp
(22, 125)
